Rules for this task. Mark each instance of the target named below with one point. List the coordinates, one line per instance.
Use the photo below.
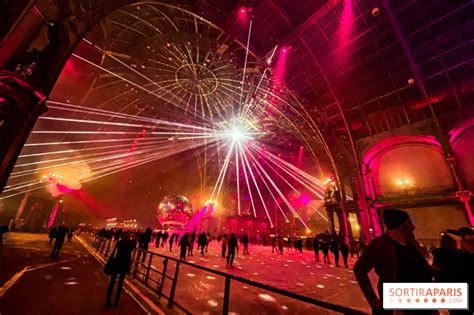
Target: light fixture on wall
(404, 183)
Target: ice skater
(232, 248)
(52, 234)
(344, 250)
(171, 241)
(325, 249)
(202, 240)
(60, 236)
(183, 245)
(316, 248)
(281, 245)
(165, 238)
(245, 242)
(224, 245)
(274, 245)
(158, 239)
(120, 267)
(191, 244)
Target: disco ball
(174, 210)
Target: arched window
(408, 165)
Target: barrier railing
(161, 274)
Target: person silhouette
(58, 244)
(121, 266)
(232, 246)
(396, 257)
(183, 245)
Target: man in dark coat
(316, 248)
(171, 241)
(202, 241)
(451, 264)
(396, 257)
(280, 245)
(224, 245)
(245, 242)
(121, 266)
(143, 241)
(158, 239)
(344, 250)
(232, 246)
(274, 244)
(183, 245)
(60, 236)
(52, 234)
(165, 238)
(299, 242)
(335, 249)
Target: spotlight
(375, 11)
(403, 182)
(330, 180)
(284, 50)
(243, 10)
(237, 134)
(411, 81)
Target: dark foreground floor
(72, 284)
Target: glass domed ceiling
(161, 81)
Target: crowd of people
(325, 243)
(450, 262)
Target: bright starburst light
(194, 90)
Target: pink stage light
(278, 77)
(53, 215)
(64, 189)
(346, 23)
(243, 13)
(304, 200)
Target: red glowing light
(242, 10)
(284, 50)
